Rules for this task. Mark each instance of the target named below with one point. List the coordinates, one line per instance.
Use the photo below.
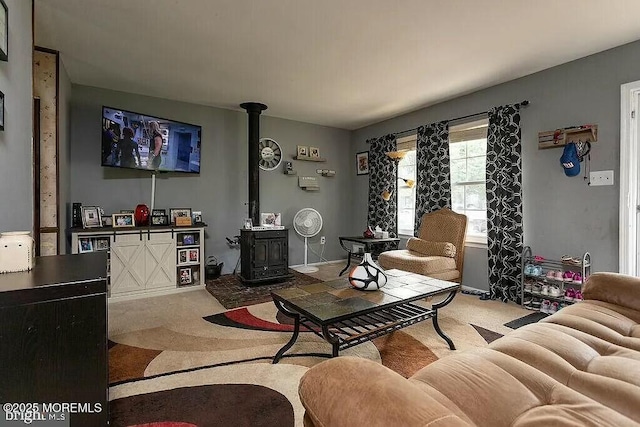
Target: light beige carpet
(188, 341)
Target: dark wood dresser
(53, 335)
(264, 256)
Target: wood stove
(264, 254)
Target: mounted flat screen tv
(137, 141)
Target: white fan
(307, 223)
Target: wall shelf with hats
(562, 137)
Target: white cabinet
(145, 261)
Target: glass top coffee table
(344, 316)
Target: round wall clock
(270, 154)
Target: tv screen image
(138, 141)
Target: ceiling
(341, 63)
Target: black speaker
(76, 215)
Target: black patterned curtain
(433, 177)
(383, 176)
(504, 202)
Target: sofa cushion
(376, 396)
(626, 292)
(490, 388)
(415, 262)
(591, 366)
(426, 247)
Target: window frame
(467, 131)
(407, 143)
(470, 131)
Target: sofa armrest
(613, 288)
(349, 391)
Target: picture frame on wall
(158, 212)
(302, 151)
(314, 152)
(4, 31)
(362, 163)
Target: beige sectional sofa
(579, 367)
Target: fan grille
(307, 222)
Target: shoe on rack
(538, 259)
(545, 306)
(566, 259)
(537, 287)
(559, 276)
(537, 270)
(551, 275)
(536, 304)
(528, 269)
(553, 308)
(554, 291)
(577, 278)
(527, 302)
(567, 276)
(527, 286)
(578, 296)
(569, 294)
(544, 290)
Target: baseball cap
(570, 160)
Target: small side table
(368, 245)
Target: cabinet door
(128, 272)
(56, 352)
(160, 260)
(260, 253)
(277, 252)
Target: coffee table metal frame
(355, 328)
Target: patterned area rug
(231, 293)
(216, 369)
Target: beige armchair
(437, 252)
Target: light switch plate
(601, 178)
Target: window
(406, 193)
(468, 153)
(468, 157)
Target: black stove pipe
(253, 110)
